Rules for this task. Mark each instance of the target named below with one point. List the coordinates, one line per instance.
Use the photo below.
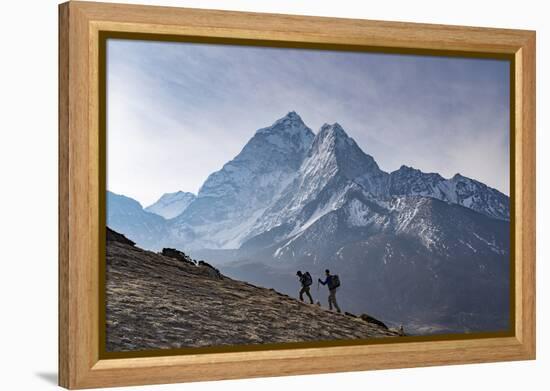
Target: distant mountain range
(171, 205)
(412, 247)
(125, 214)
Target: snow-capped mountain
(285, 178)
(334, 165)
(171, 205)
(231, 199)
(457, 190)
(335, 168)
(431, 252)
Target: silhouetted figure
(305, 281)
(333, 282)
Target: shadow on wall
(48, 377)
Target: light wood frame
(80, 24)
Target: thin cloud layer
(179, 111)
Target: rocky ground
(164, 302)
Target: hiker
(333, 282)
(305, 281)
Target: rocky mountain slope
(158, 301)
(432, 266)
(125, 214)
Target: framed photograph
(246, 195)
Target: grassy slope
(156, 302)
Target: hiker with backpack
(305, 281)
(333, 282)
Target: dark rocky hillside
(156, 301)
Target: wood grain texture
(526, 163)
(63, 221)
(79, 171)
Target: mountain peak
(289, 130)
(290, 117)
(335, 129)
(404, 167)
(176, 193)
(170, 205)
(288, 133)
(335, 135)
(335, 153)
(293, 115)
(405, 170)
(290, 123)
(458, 176)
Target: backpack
(307, 279)
(334, 282)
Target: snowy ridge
(457, 190)
(170, 205)
(429, 222)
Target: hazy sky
(178, 111)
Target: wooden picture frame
(82, 167)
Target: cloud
(179, 111)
